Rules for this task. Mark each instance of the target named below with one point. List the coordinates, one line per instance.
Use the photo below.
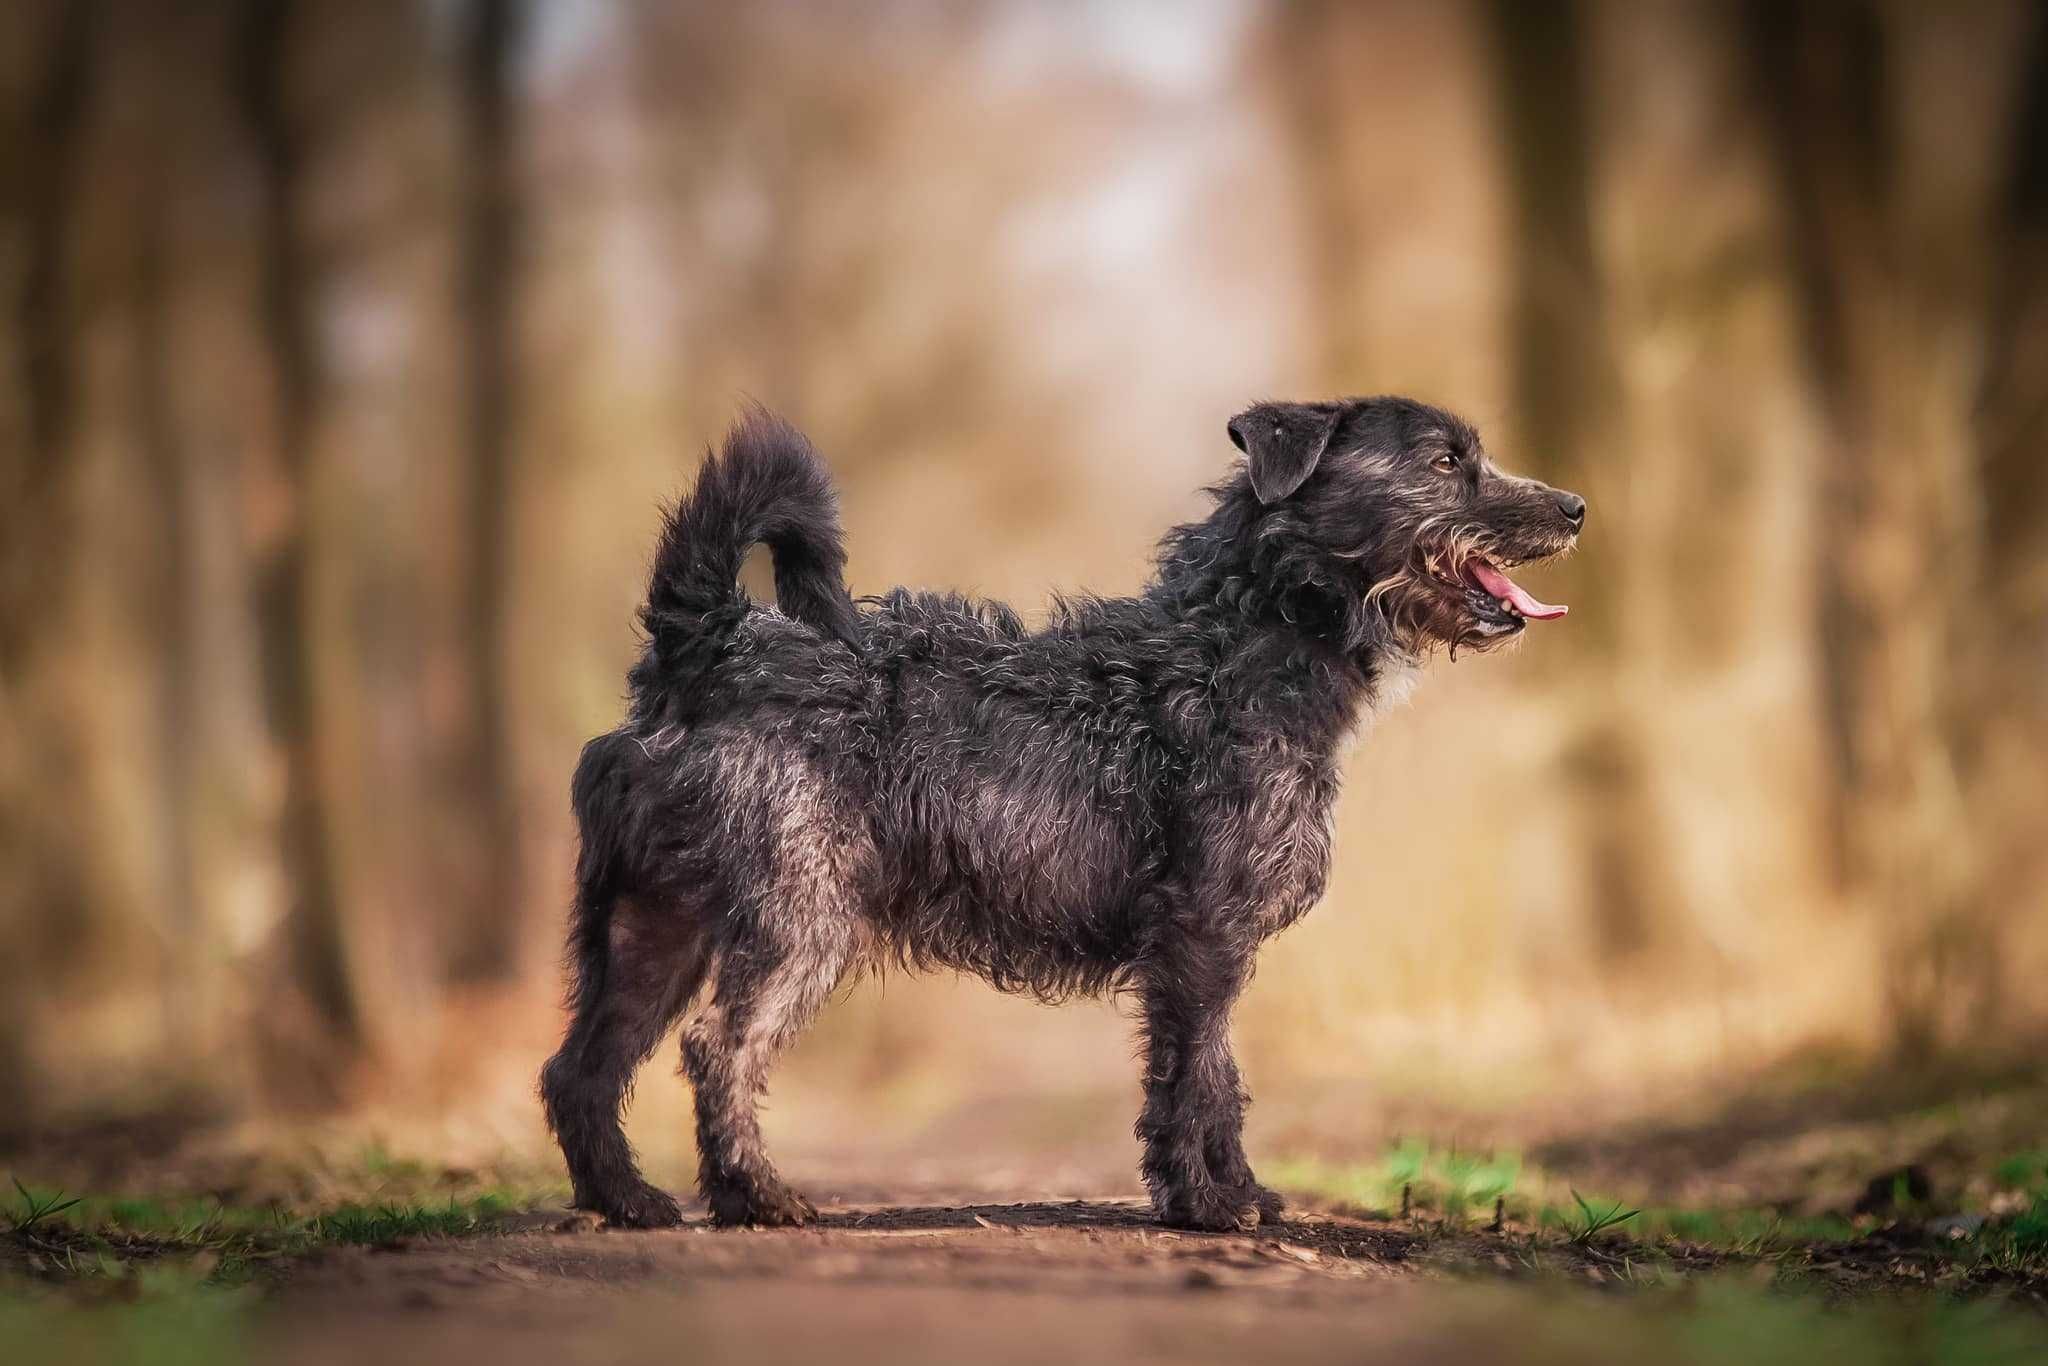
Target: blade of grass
(1597, 1221)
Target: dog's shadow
(1044, 1214)
(1319, 1232)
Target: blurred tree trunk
(1825, 83)
(171, 474)
(1567, 396)
(2002, 730)
(1891, 558)
(1313, 40)
(197, 375)
(1565, 385)
(45, 906)
(316, 947)
(2014, 413)
(48, 154)
(399, 519)
(487, 940)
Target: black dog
(1135, 796)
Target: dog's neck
(1309, 655)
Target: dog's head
(1398, 502)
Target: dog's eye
(1447, 463)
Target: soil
(995, 1282)
(947, 1281)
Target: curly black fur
(1134, 796)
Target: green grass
(1447, 1181)
(1453, 1186)
(389, 1223)
(2027, 1236)
(143, 1246)
(1596, 1221)
(2027, 1171)
(37, 1207)
(1751, 1231)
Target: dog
(1133, 797)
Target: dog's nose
(1574, 509)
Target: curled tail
(765, 486)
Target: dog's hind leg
(797, 859)
(769, 988)
(638, 968)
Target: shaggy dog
(1134, 797)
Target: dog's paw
(1272, 1208)
(1212, 1209)
(644, 1207)
(769, 1205)
(1245, 1189)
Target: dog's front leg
(1193, 1099)
(1228, 1166)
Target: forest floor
(1814, 1229)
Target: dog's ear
(1282, 443)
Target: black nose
(1574, 509)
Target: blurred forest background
(350, 347)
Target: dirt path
(991, 1282)
(949, 1279)
(1066, 1248)
(1068, 1280)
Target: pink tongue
(1505, 588)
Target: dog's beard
(1453, 590)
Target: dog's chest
(1285, 841)
(1291, 810)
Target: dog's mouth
(1497, 604)
(1457, 591)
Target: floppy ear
(1282, 443)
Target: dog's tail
(765, 486)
